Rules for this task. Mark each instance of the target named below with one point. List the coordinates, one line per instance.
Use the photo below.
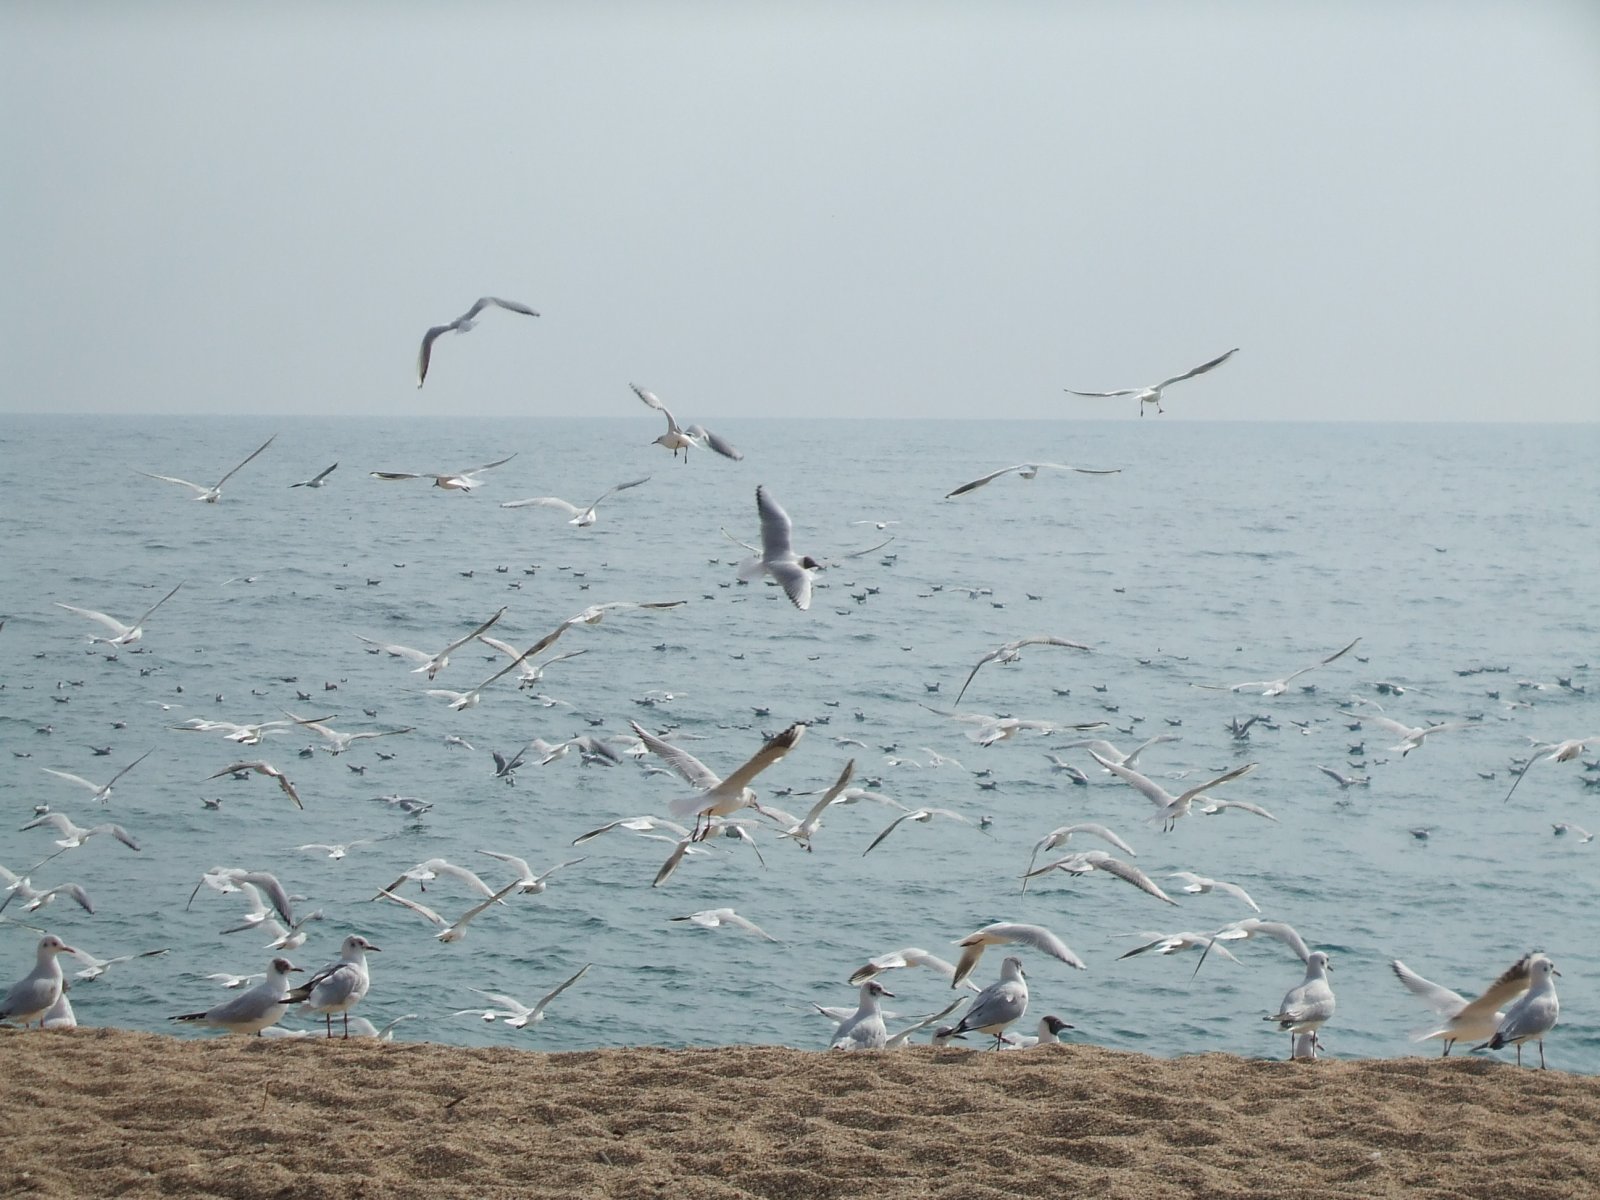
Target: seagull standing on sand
(679, 437)
(1152, 394)
(1307, 1006)
(998, 1006)
(213, 493)
(864, 1028)
(32, 996)
(462, 324)
(252, 1011)
(1533, 1016)
(340, 985)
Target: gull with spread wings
(432, 664)
(1152, 394)
(580, 517)
(212, 493)
(1011, 652)
(1027, 471)
(1276, 687)
(681, 437)
(462, 324)
(125, 635)
(450, 481)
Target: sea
(1463, 557)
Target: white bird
(20, 887)
(803, 830)
(450, 481)
(262, 768)
(720, 918)
(1171, 943)
(125, 635)
(778, 559)
(580, 517)
(1211, 807)
(1276, 687)
(1251, 927)
(462, 324)
(678, 437)
(232, 879)
(864, 1029)
(903, 1036)
(96, 967)
(1057, 838)
(339, 986)
(210, 494)
(1554, 752)
(1106, 750)
(989, 729)
(1026, 471)
(73, 836)
(644, 824)
(1199, 884)
(339, 742)
(1009, 933)
(1169, 807)
(1152, 394)
(1345, 782)
(515, 1013)
(244, 735)
(60, 1014)
(1412, 736)
(1011, 652)
(102, 791)
(529, 884)
(911, 956)
(1307, 1006)
(717, 797)
(1533, 1016)
(1048, 1033)
(452, 931)
(528, 673)
(318, 480)
(32, 996)
(1086, 861)
(1459, 1018)
(922, 815)
(998, 1006)
(252, 1011)
(427, 871)
(1564, 827)
(432, 664)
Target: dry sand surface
(96, 1112)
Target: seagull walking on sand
(124, 635)
(212, 493)
(581, 517)
(1533, 1016)
(463, 324)
(1458, 1018)
(678, 437)
(250, 1012)
(1307, 1006)
(1152, 394)
(32, 996)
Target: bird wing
(394, 651)
(199, 489)
(396, 474)
(777, 531)
(679, 849)
(1118, 392)
(1200, 370)
(484, 302)
(978, 483)
(916, 814)
(1226, 777)
(424, 355)
(1150, 789)
(1511, 984)
(724, 448)
(421, 910)
(1439, 999)
(462, 641)
(732, 918)
(1130, 874)
(566, 506)
(471, 471)
(77, 779)
(621, 487)
(694, 772)
(795, 581)
(774, 749)
(110, 623)
(654, 402)
(248, 457)
(559, 988)
(146, 614)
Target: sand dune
(106, 1112)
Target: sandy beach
(105, 1112)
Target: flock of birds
(1518, 1007)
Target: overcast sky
(832, 209)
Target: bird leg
(1541, 1051)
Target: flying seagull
(1011, 652)
(318, 480)
(679, 437)
(210, 494)
(1152, 394)
(1027, 471)
(125, 635)
(461, 325)
(580, 516)
(451, 481)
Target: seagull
(515, 1013)
(1011, 652)
(581, 517)
(911, 956)
(97, 967)
(102, 792)
(1308, 1005)
(1171, 943)
(1008, 933)
(778, 558)
(210, 494)
(1098, 860)
(1170, 807)
(1531, 1017)
(1345, 782)
(1276, 687)
(805, 829)
(339, 986)
(923, 815)
(1057, 838)
(125, 635)
(1027, 471)
(33, 898)
(252, 1011)
(1152, 394)
(462, 324)
(1412, 736)
(450, 481)
(263, 768)
(432, 664)
(1199, 884)
(73, 836)
(645, 824)
(528, 883)
(717, 797)
(318, 480)
(864, 1028)
(1564, 827)
(245, 735)
(678, 437)
(1048, 1034)
(452, 931)
(1106, 750)
(1255, 927)
(1554, 752)
(339, 742)
(1459, 1018)
(527, 673)
(426, 872)
(999, 1005)
(32, 996)
(903, 1037)
(230, 879)
(720, 918)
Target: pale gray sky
(881, 209)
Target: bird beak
(375, 949)
(302, 970)
(891, 995)
(70, 950)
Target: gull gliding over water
(1276, 687)
(125, 635)
(450, 481)
(580, 517)
(1170, 807)
(1010, 653)
(1026, 471)
(1554, 752)
(102, 792)
(432, 664)
(318, 480)
(720, 918)
(716, 797)
(1458, 1017)
(213, 493)
(462, 324)
(679, 437)
(262, 768)
(778, 559)
(515, 1013)
(1152, 394)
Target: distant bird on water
(1152, 394)
(462, 324)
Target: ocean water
(1462, 556)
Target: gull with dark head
(250, 1012)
